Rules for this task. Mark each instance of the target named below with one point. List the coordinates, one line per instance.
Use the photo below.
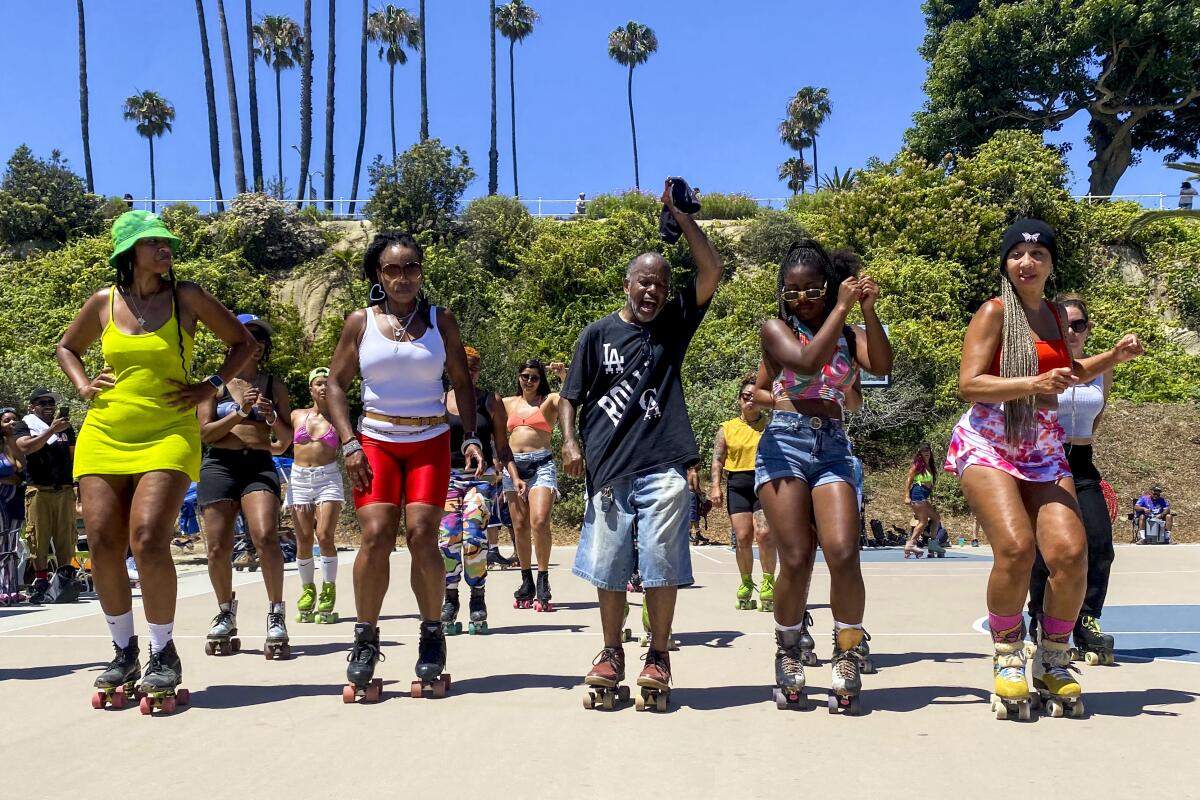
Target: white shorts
(311, 486)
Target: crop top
(1079, 406)
(536, 420)
(302, 436)
(829, 383)
(1051, 355)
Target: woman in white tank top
(400, 457)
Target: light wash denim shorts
(654, 507)
(812, 449)
(537, 469)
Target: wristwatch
(216, 382)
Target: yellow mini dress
(130, 429)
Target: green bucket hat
(134, 225)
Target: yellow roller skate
(1056, 686)
(307, 603)
(1012, 692)
(745, 594)
(766, 593)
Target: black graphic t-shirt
(625, 380)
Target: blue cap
(253, 319)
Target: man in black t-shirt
(624, 392)
(48, 443)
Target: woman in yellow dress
(139, 446)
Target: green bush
(43, 200)
(768, 236)
(270, 234)
(715, 205)
(420, 190)
(603, 206)
(495, 232)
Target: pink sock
(1058, 630)
(1006, 627)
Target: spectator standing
(1186, 195)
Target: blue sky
(707, 102)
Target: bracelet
(271, 421)
(350, 448)
(242, 414)
(468, 441)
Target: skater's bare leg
(380, 522)
(219, 518)
(1063, 544)
(661, 600)
(304, 520)
(541, 500)
(261, 510)
(743, 534)
(518, 509)
(428, 575)
(788, 507)
(766, 543)
(156, 500)
(612, 616)
(106, 500)
(995, 497)
(326, 526)
(836, 508)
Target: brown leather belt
(412, 422)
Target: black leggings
(1098, 528)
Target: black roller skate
(523, 596)
(277, 647)
(497, 561)
(542, 603)
(1092, 645)
(119, 681)
(789, 670)
(478, 623)
(222, 637)
(37, 591)
(431, 660)
(361, 671)
(160, 685)
(864, 655)
(450, 624)
(808, 648)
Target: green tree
(235, 118)
(806, 113)
(255, 138)
(214, 137)
(306, 57)
(515, 21)
(419, 190)
(364, 33)
(1131, 68)
(329, 86)
(44, 201)
(394, 29)
(153, 116)
(83, 97)
(795, 172)
(630, 46)
(278, 43)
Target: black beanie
(1028, 230)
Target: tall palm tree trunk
(493, 154)
(362, 107)
(392, 105)
(214, 136)
(278, 134)
(329, 85)
(512, 101)
(424, 87)
(816, 174)
(83, 97)
(633, 129)
(306, 57)
(255, 137)
(235, 119)
(153, 191)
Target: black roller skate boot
(808, 648)
(361, 670)
(542, 603)
(1092, 645)
(450, 624)
(523, 596)
(37, 592)
(478, 623)
(160, 684)
(497, 561)
(431, 660)
(118, 682)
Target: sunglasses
(529, 378)
(1078, 326)
(792, 295)
(411, 269)
(747, 398)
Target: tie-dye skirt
(978, 438)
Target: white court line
(698, 552)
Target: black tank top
(483, 431)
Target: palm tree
(394, 29)
(795, 172)
(277, 43)
(83, 98)
(493, 154)
(809, 108)
(631, 46)
(515, 21)
(153, 115)
(255, 139)
(362, 105)
(327, 174)
(794, 133)
(214, 138)
(424, 88)
(306, 57)
(235, 119)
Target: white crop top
(1079, 406)
(401, 379)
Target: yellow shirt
(741, 443)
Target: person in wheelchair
(1153, 506)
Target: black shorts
(739, 495)
(230, 474)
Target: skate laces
(274, 619)
(612, 655)
(365, 652)
(1092, 625)
(224, 617)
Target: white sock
(305, 567)
(160, 635)
(121, 628)
(329, 566)
(837, 626)
(796, 627)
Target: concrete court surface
(514, 724)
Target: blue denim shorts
(537, 469)
(655, 505)
(919, 493)
(812, 449)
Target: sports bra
(302, 436)
(829, 383)
(1051, 355)
(536, 420)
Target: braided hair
(125, 281)
(370, 266)
(1018, 359)
(837, 267)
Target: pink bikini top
(302, 436)
(829, 383)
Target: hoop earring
(372, 297)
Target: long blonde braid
(1018, 359)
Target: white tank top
(401, 379)
(1079, 406)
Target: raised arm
(873, 351)
(708, 263)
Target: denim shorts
(919, 493)
(812, 449)
(537, 469)
(653, 506)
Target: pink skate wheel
(98, 700)
(183, 696)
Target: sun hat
(134, 225)
(318, 372)
(254, 319)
